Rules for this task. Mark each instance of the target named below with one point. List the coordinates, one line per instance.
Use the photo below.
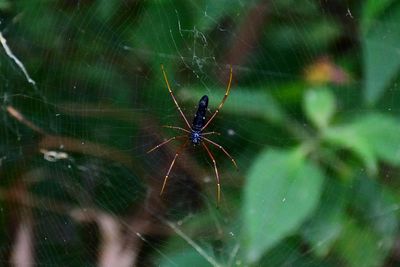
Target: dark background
(312, 120)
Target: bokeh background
(312, 120)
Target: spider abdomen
(200, 116)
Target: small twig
(19, 117)
(87, 148)
(113, 250)
(233, 254)
(191, 242)
(22, 251)
(16, 60)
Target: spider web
(83, 99)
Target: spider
(195, 133)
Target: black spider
(196, 131)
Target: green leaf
(188, 257)
(376, 206)
(5, 5)
(323, 229)
(282, 190)
(178, 252)
(290, 253)
(348, 137)
(371, 11)
(359, 246)
(380, 51)
(157, 32)
(382, 132)
(371, 137)
(319, 105)
(106, 9)
(215, 11)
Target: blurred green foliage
(312, 120)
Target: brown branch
(85, 147)
(247, 36)
(69, 144)
(117, 248)
(21, 118)
(22, 249)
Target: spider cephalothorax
(195, 137)
(196, 131)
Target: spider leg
(208, 133)
(172, 164)
(176, 128)
(173, 98)
(216, 172)
(165, 142)
(222, 102)
(223, 150)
